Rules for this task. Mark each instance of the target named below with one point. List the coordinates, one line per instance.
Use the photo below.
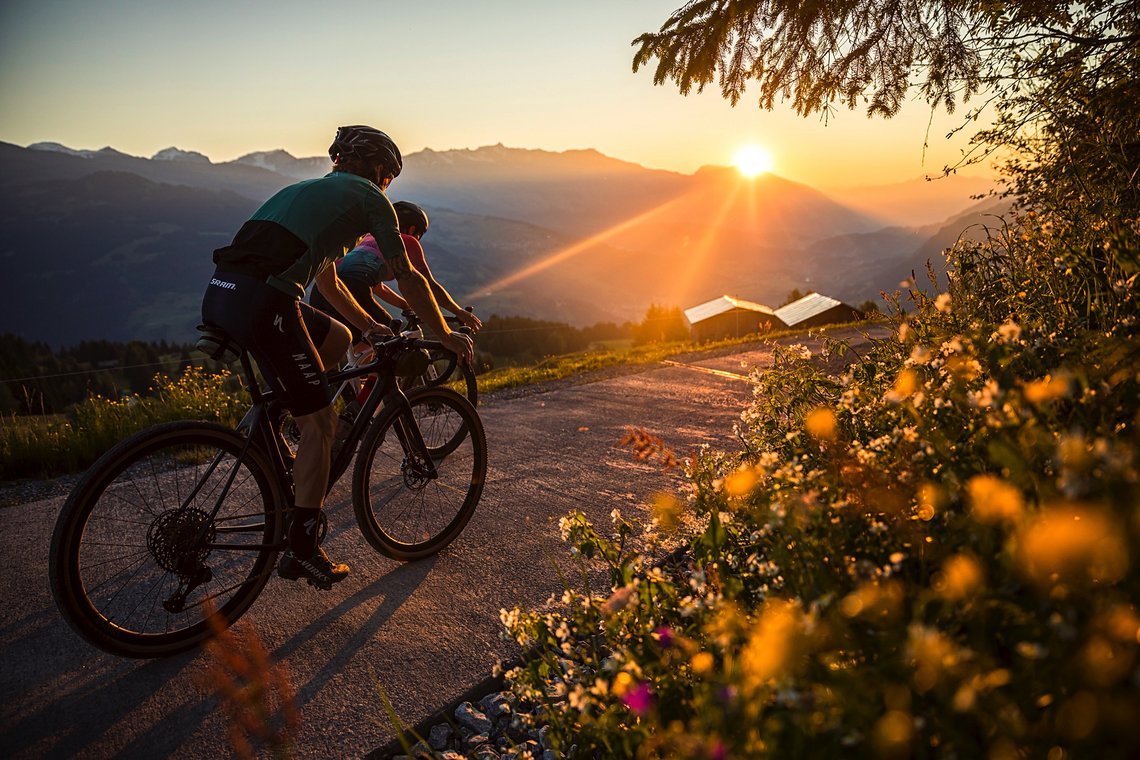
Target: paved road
(424, 632)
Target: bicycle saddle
(217, 344)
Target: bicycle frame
(269, 442)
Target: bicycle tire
(125, 539)
(402, 513)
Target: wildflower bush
(931, 554)
(73, 441)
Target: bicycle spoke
(144, 539)
(408, 505)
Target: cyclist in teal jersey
(255, 295)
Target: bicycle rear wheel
(410, 502)
(137, 562)
(446, 370)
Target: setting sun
(752, 160)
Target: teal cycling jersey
(306, 226)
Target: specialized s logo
(277, 323)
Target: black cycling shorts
(280, 332)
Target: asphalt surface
(422, 633)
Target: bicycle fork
(418, 467)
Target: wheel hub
(415, 473)
(173, 540)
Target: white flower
(942, 303)
(919, 355)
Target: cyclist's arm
(416, 292)
(446, 301)
(339, 297)
(443, 298)
(387, 295)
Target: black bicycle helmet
(408, 214)
(367, 144)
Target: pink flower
(718, 751)
(639, 698)
(665, 636)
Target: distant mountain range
(100, 244)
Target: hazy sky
(227, 77)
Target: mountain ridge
(598, 238)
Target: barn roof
(723, 305)
(807, 307)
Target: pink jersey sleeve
(416, 254)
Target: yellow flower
(893, 732)
(702, 663)
(1047, 389)
(1123, 624)
(623, 683)
(961, 576)
(740, 482)
(874, 601)
(1071, 543)
(1105, 661)
(1075, 452)
(993, 500)
(666, 509)
(773, 645)
(905, 385)
(964, 368)
(931, 654)
(820, 423)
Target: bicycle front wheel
(410, 502)
(140, 558)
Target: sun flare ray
(696, 259)
(569, 252)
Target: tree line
(38, 379)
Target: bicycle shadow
(91, 694)
(396, 586)
(72, 700)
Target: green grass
(618, 354)
(41, 447)
(47, 446)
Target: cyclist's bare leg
(335, 344)
(311, 470)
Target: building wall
(734, 324)
(835, 315)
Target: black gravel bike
(186, 519)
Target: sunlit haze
(226, 79)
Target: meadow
(932, 553)
(44, 446)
